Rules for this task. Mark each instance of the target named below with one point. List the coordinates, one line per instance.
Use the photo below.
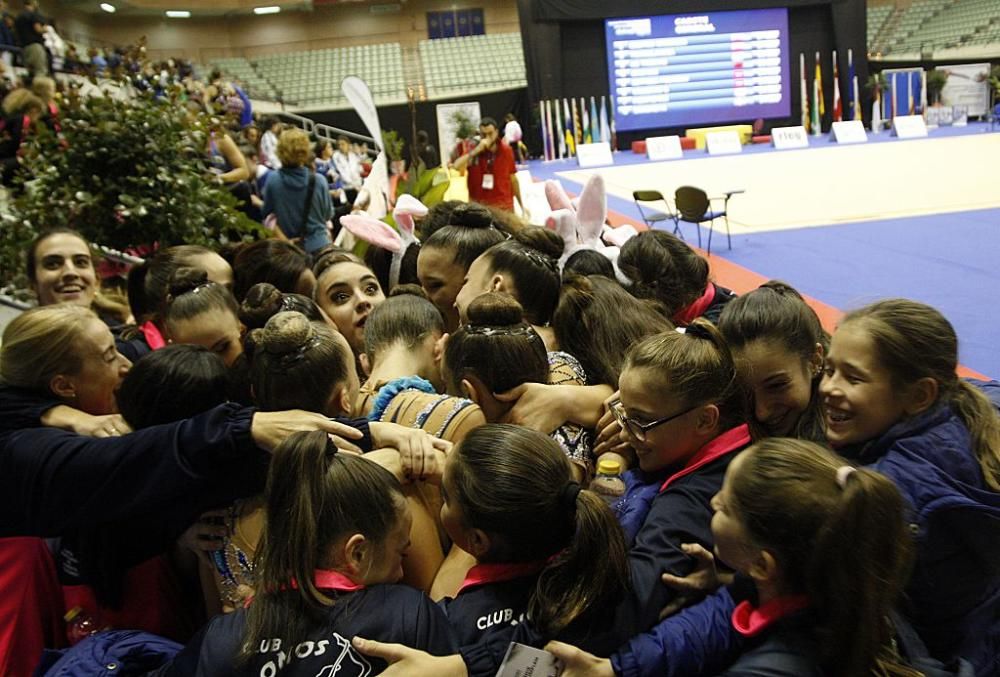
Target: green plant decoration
(936, 80)
(393, 145)
(124, 174)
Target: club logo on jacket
(340, 659)
(498, 617)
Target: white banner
(450, 116)
(376, 185)
(967, 85)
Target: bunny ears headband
(381, 234)
(583, 226)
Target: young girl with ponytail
(892, 400)
(821, 551)
(549, 557)
(682, 410)
(336, 533)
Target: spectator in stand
(30, 26)
(8, 37)
(492, 179)
(55, 46)
(426, 151)
(348, 165)
(98, 64)
(514, 136)
(299, 201)
(20, 110)
(71, 62)
(269, 143)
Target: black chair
(694, 206)
(651, 215)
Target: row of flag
(565, 125)
(814, 107)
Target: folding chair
(650, 215)
(694, 206)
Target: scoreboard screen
(690, 69)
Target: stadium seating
(473, 63)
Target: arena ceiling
(196, 7)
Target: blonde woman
(301, 203)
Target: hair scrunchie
(568, 496)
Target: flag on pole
(577, 125)
(877, 111)
(817, 100)
(605, 127)
(838, 110)
(595, 122)
(570, 137)
(854, 101)
(545, 136)
(551, 130)
(806, 120)
(892, 104)
(611, 112)
(586, 121)
(560, 137)
(909, 93)
(923, 92)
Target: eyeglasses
(639, 430)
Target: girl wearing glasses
(682, 410)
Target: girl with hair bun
(149, 287)
(778, 344)
(445, 257)
(331, 554)
(495, 351)
(821, 551)
(204, 313)
(665, 269)
(264, 300)
(524, 267)
(295, 363)
(892, 399)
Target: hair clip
(486, 330)
(291, 357)
(539, 258)
(843, 472)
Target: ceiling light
(271, 9)
(178, 13)
(107, 7)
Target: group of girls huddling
(361, 480)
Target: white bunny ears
(583, 227)
(381, 234)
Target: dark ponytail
(315, 496)
(663, 268)
(840, 537)
(264, 300)
(516, 485)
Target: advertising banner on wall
(967, 85)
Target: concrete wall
(340, 25)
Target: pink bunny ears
(381, 234)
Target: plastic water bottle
(79, 625)
(608, 482)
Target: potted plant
(392, 143)
(465, 129)
(126, 174)
(936, 80)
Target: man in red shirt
(492, 175)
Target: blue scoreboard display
(691, 69)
